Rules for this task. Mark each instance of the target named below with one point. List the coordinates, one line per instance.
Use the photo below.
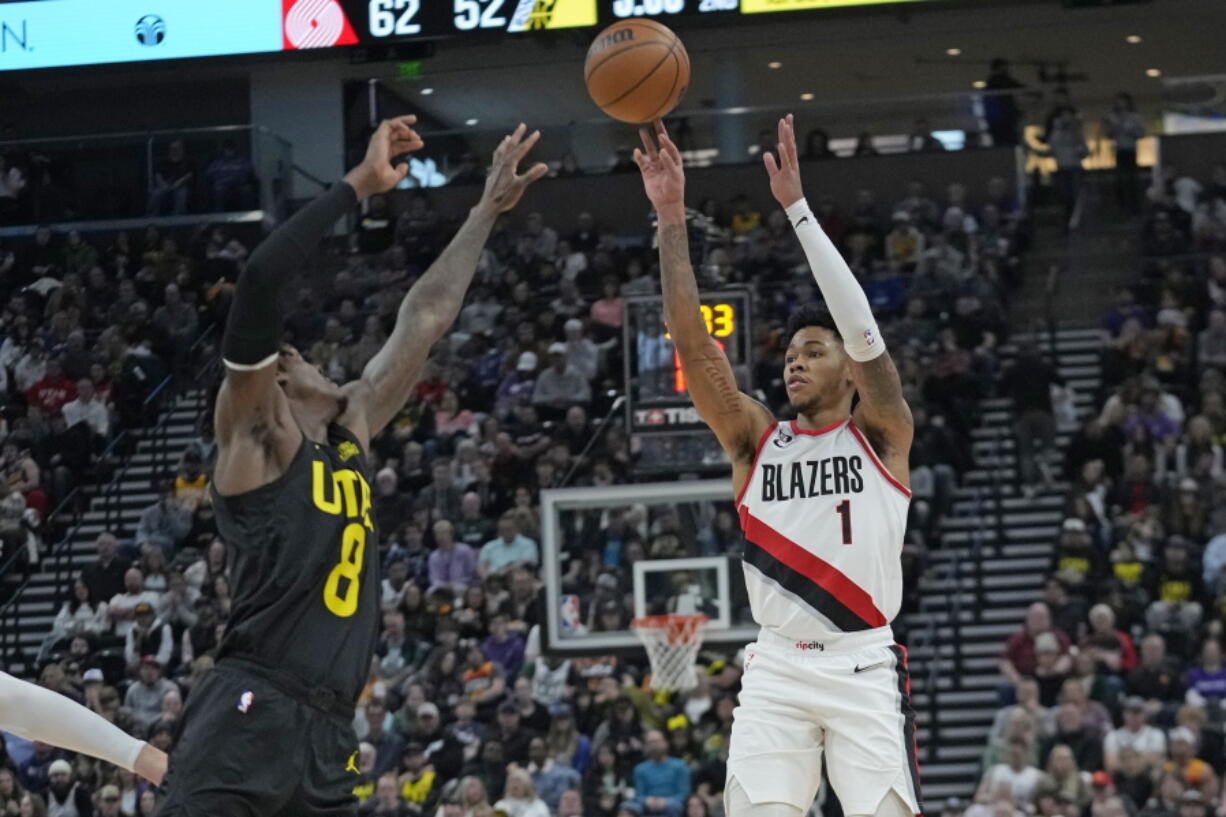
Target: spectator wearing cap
(564, 741)
(1019, 657)
(445, 753)
(1183, 760)
(34, 772)
(66, 796)
(110, 802)
(581, 353)
(418, 780)
(452, 565)
(518, 384)
(150, 637)
(550, 777)
(1077, 564)
(144, 697)
(509, 550)
(1149, 742)
(521, 799)
(512, 734)
(560, 385)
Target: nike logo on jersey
(869, 667)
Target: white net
(672, 644)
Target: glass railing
(945, 122)
(180, 173)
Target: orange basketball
(637, 71)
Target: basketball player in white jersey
(823, 505)
(34, 713)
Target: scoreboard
(59, 33)
(670, 435)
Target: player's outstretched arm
(250, 407)
(39, 714)
(737, 419)
(882, 412)
(432, 304)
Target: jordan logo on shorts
(245, 701)
(351, 765)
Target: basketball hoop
(672, 644)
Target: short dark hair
(811, 315)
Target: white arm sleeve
(844, 297)
(35, 713)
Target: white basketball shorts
(800, 698)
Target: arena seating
(1118, 706)
(938, 265)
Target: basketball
(637, 71)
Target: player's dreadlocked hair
(810, 315)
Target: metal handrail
(59, 551)
(143, 134)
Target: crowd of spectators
(91, 326)
(1115, 684)
(463, 714)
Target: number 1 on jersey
(843, 509)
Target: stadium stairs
(995, 552)
(116, 507)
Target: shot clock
(672, 437)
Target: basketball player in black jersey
(269, 731)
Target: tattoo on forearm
(682, 312)
(715, 369)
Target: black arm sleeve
(253, 329)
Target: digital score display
(658, 408)
(715, 9)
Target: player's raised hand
(662, 169)
(505, 185)
(785, 172)
(376, 174)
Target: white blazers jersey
(824, 524)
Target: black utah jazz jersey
(305, 569)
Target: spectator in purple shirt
(453, 565)
(1125, 309)
(1208, 681)
(504, 646)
